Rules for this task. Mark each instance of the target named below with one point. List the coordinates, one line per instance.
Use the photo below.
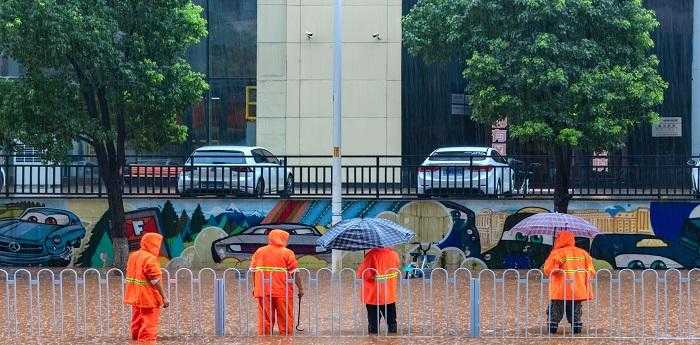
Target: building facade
(269, 65)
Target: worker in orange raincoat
(273, 265)
(144, 291)
(570, 270)
(379, 272)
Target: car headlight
(56, 239)
(53, 247)
(235, 247)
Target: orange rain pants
(144, 323)
(283, 312)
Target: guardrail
(363, 176)
(461, 303)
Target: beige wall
(294, 76)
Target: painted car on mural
(648, 251)
(302, 240)
(515, 250)
(41, 236)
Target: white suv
(464, 170)
(234, 169)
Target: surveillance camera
(377, 36)
(309, 35)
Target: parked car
(465, 170)
(41, 236)
(234, 169)
(302, 240)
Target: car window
(258, 156)
(474, 156)
(52, 219)
(269, 157)
(218, 157)
(497, 157)
(257, 231)
(304, 231)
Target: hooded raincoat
(379, 272)
(142, 275)
(569, 269)
(142, 270)
(273, 265)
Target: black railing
(363, 176)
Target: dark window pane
(228, 122)
(232, 38)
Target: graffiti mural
(40, 236)
(220, 233)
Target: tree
(566, 74)
(106, 72)
(197, 223)
(170, 220)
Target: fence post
(475, 324)
(377, 183)
(220, 307)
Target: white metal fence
(461, 303)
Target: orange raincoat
(569, 269)
(379, 272)
(142, 273)
(273, 265)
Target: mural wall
(222, 233)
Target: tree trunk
(120, 246)
(562, 163)
(111, 174)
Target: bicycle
(522, 176)
(421, 263)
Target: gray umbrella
(365, 233)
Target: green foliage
(103, 71)
(170, 220)
(196, 224)
(568, 72)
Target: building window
(251, 97)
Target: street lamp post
(336, 189)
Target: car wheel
(635, 265)
(288, 186)
(260, 188)
(658, 265)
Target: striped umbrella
(365, 233)
(550, 223)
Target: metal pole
(695, 90)
(220, 307)
(475, 317)
(336, 189)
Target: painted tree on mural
(109, 73)
(197, 223)
(170, 220)
(568, 74)
(182, 223)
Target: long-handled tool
(298, 326)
